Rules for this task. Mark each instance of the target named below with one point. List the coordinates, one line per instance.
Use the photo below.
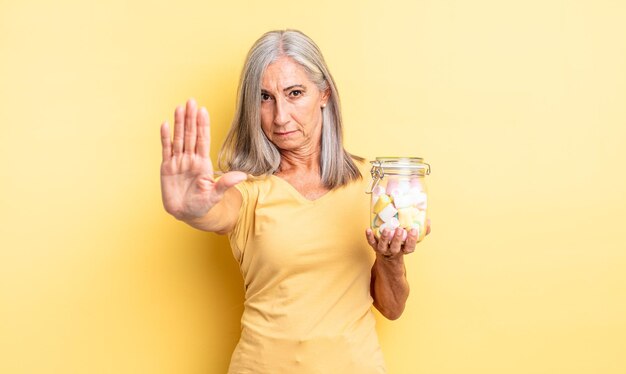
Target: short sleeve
(238, 237)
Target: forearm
(389, 286)
(221, 218)
(209, 222)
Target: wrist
(391, 264)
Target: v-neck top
(307, 268)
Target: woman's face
(291, 114)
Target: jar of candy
(398, 194)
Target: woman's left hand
(390, 245)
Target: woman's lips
(284, 133)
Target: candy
(392, 186)
(402, 203)
(391, 226)
(404, 186)
(421, 198)
(405, 217)
(392, 233)
(387, 213)
(378, 190)
(420, 217)
(416, 183)
(415, 190)
(393, 223)
(383, 201)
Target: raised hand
(188, 188)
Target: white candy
(415, 190)
(388, 213)
(381, 229)
(403, 201)
(416, 196)
(395, 194)
(393, 223)
(404, 186)
(421, 217)
(419, 200)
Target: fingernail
(413, 231)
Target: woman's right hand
(188, 189)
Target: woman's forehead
(284, 72)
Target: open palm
(187, 186)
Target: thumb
(228, 180)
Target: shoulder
(253, 186)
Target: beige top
(306, 267)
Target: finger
(427, 226)
(166, 143)
(411, 241)
(371, 239)
(383, 242)
(203, 144)
(396, 242)
(228, 180)
(179, 129)
(190, 126)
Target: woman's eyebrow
(294, 86)
(301, 86)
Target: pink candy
(392, 186)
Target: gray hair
(246, 147)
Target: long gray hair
(246, 147)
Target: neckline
(295, 193)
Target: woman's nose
(281, 115)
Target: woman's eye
(296, 93)
(265, 97)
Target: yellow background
(518, 105)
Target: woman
(292, 205)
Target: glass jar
(398, 194)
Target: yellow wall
(518, 105)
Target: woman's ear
(325, 97)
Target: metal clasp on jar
(378, 173)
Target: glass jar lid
(403, 166)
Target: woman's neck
(299, 163)
(302, 171)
